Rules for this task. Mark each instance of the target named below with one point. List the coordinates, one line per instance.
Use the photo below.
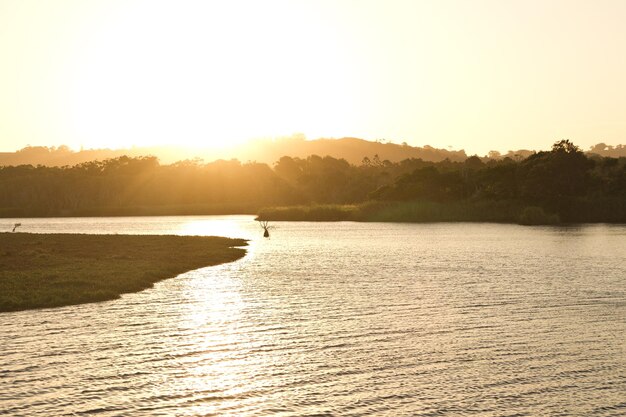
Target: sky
(476, 75)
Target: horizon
(237, 147)
(476, 76)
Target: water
(345, 319)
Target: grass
(533, 215)
(52, 270)
(415, 212)
(457, 211)
(322, 213)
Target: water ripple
(382, 319)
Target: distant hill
(267, 150)
(64, 156)
(352, 150)
(42, 155)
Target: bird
(16, 226)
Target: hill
(353, 150)
(268, 151)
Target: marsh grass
(533, 215)
(459, 211)
(414, 212)
(51, 270)
(322, 213)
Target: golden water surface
(345, 319)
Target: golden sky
(475, 75)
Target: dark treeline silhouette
(139, 185)
(563, 183)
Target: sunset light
(200, 74)
(208, 73)
(312, 208)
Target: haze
(479, 75)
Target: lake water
(338, 319)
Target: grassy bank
(414, 212)
(51, 270)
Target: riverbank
(53, 270)
(414, 212)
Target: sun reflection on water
(223, 227)
(211, 355)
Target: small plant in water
(266, 227)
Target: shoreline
(54, 270)
(497, 212)
(416, 212)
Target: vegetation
(51, 270)
(327, 213)
(417, 211)
(533, 215)
(560, 185)
(139, 186)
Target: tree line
(563, 181)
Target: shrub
(533, 215)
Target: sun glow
(186, 75)
(480, 76)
